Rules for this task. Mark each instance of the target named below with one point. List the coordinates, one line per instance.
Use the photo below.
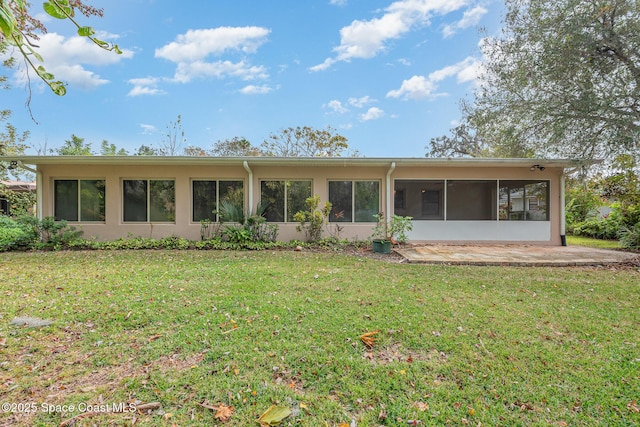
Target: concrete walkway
(516, 255)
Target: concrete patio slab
(515, 255)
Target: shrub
(312, 220)
(247, 227)
(630, 237)
(395, 230)
(11, 234)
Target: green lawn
(457, 345)
(592, 243)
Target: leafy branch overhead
(18, 28)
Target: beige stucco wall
(114, 227)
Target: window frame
(79, 205)
(148, 201)
(217, 197)
(354, 204)
(285, 205)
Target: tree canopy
(305, 141)
(236, 146)
(75, 147)
(562, 80)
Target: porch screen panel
(471, 200)
(341, 199)
(92, 200)
(65, 199)
(419, 199)
(204, 200)
(524, 200)
(134, 193)
(367, 200)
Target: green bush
(14, 235)
(312, 220)
(28, 232)
(630, 237)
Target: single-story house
(450, 200)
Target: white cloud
(191, 50)
(255, 90)
(470, 18)
(148, 129)
(372, 113)
(336, 106)
(365, 39)
(195, 45)
(67, 59)
(219, 69)
(145, 86)
(361, 102)
(338, 2)
(420, 87)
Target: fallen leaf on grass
(274, 416)
(368, 338)
(223, 412)
(155, 337)
(633, 406)
(421, 406)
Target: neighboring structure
(15, 186)
(450, 200)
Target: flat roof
(290, 161)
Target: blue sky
(388, 75)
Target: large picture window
(149, 200)
(79, 200)
(354, 201)
(524, 200)
(472, 200)
(282, 199)
(207, 195)
(419, 199)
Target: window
(419, 199)
(524, 200)
(354, 201)
(207, 195)
(79, 200)
(282, 199)
(149, 200)
(471, 200)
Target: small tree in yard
(312, 220)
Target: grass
(457, 345)
(593, 243)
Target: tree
(145, 150)
(174, 138)
(107, 149)
(75, 147)
(20, 28)
(563, 79)
(194, 151)
(11, 142)
(234, 147)
(306, 142)
(465, 141)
